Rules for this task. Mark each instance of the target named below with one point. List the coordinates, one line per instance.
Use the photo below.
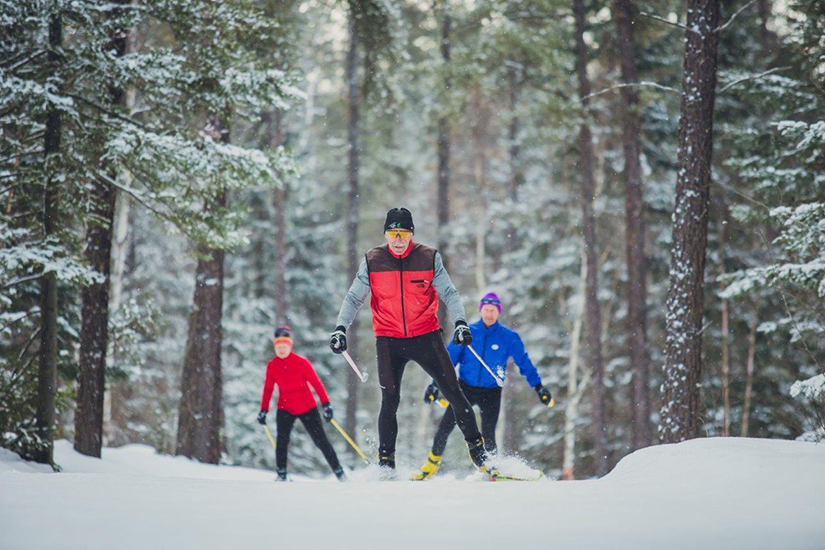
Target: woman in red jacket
(292, 372)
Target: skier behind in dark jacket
(292, 373)
(406, 279)
(495, 343)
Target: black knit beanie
(399, 218)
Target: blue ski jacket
(495, 345)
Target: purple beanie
(492, 299)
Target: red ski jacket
(404, 303)
(291, 375)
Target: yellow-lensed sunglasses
(394, 233)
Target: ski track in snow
(707, 493)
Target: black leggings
(489, 401)
(428, 351)
(312, 422)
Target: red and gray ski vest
(404, 303)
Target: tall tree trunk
(635, 229)
(723, 234)
(94, 328)
(47, 375)
(746, 406)
(512, 422)
(443, 202)
(592, 310)
(444, 142)
(275, 139)
(201, 405)
(113, 397)
(478, 130)
(685, 301)
(353, 257)
(574, 393)
(765, 36)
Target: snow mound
(139, 460)
(708, 493)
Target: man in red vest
(294, 375)
(406, 279)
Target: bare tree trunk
(113, 395)
(201, 405)
(685, 303)
(746, 407)
(571, 410)
(765, 36)
(723, 233)
(443, 202)
(592, 310)
(512, 424)
(47, 375)
(444, 143)
(478, 130)
(94, 329)
(353, 257)
(121, 232)
(635, 230)
(275, 139)
(513, 150)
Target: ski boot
(429, 469)
(386, 465)
(480, 457)
(281, 475)
(339, 473)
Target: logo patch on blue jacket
(494, 346)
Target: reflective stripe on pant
(428, 351)
(312, 422)
(489, 401)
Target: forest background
(178, 177)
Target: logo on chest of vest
(420, 283)
(494, 346)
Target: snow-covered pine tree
(172, 167)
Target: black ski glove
(431, 393)
(338, 340)
(544, 394)
(462, 335)
(327, 412)
(262, 417)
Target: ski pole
(269, 435)
(348, 438)
(363, 377)
(498, 380)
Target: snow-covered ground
(706, 493)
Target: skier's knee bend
(452, 395)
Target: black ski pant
(428, 351)
(489, 401)
(312, 422)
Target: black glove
(544, 394)
(327, 412)
(462, 335)
(262, 418)
(431, 394)
(338, 340)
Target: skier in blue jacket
(495, 343)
